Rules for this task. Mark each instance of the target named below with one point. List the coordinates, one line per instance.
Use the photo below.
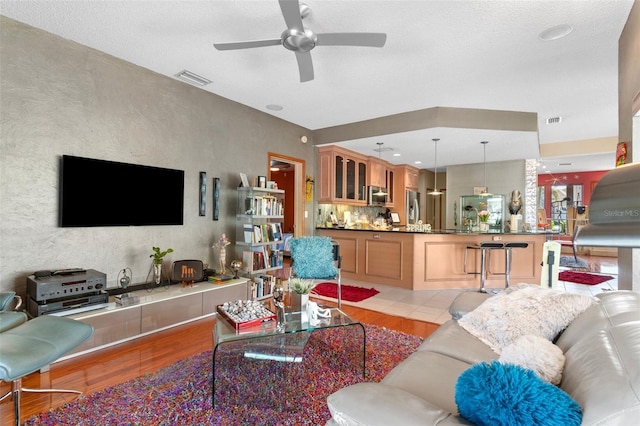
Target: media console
(159, 309)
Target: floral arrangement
(484, 216)
(300, 286)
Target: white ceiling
(439, 53)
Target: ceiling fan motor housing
(298, 41)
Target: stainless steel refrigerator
(412, 207)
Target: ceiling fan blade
(291, 12)
(352, 39)
(247, 44)
(305, 66)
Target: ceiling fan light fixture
(435, 172)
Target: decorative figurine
(278, 301)
(516, 202)
(222, 243)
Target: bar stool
(507, 259)
(483, 247)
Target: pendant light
(435, 179)
(381, 190)
(485, 191)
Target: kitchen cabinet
(411, 177)
(343, 176)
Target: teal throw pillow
(312, 257)
(507, 394)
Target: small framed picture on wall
(203, 193)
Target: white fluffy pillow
(521, 310)
(537, 354)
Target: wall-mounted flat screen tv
(107, 193)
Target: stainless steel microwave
(376, 196)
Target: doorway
(289, 175)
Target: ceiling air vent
(554, 120)
(192, 78)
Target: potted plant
(157, 262)
(300, 290)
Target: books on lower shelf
(262, 286)
(262, 257)
(262, 233)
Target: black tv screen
(107, 193)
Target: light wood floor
(101, 369)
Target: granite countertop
(438, 231)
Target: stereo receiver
(66, 283)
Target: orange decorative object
(309, 187)
(621, 154)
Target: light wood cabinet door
(342, 176)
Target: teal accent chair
(32, 346)
(316, 258)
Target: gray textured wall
(502, 178)
(58, 97)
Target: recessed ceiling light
(396, 154)
(555, 33)
(417, 162)
(192, 78)
(274, 107)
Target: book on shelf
(263, 205)
(262, 285)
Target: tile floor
(433, 305)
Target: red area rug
(583, 277)
(350, 293)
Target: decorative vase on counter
(484, 227)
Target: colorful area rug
(350, 293)
(570, 262)
(181, 393)
(583, 277)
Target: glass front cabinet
(472, 205)
(343, 176)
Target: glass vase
(157, 273)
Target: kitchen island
(433, 260)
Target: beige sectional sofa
(601, 371)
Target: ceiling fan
(300, 40)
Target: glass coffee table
(264, 366)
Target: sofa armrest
(379, 404)
(466, 302)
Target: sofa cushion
(602, 373)
(615, 308)
(505, 394)
(430, 376)
(537, 354)
(452, 340)
(524, 309)
(379, 404)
